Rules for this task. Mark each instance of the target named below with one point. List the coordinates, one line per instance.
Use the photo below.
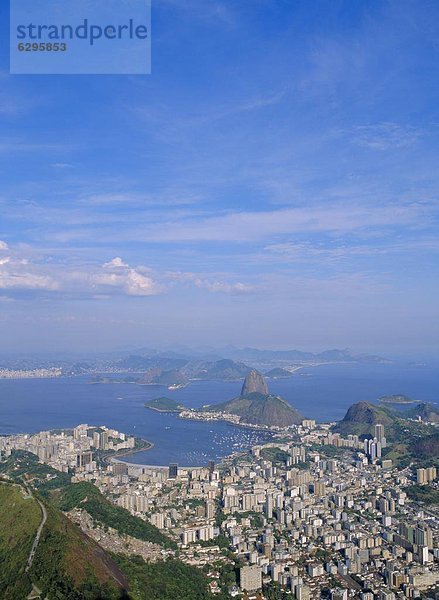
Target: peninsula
(254, 407)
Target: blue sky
(273, 182)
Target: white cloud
(19, 272)
(128, 279)
(211, 285)
(3, 245)
(227, 288)
(26, 281)
(384, 136)
(248, 226)
(115, 263)
(304, 251)
(113, 278)
(139, 285)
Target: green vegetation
(399, 454)
(171, 377)
(278, 373)
(396, 399)
(426, 447)
(413, 443)
(427, 412)
(362, 417)
(88, 497)
(410, 441)
(228, 572)
(67, 564)
(168, 580)
(273, 591)
(164, 404)
(423, 493)
(19, 520)
(328, 451)
(275, 455)
(220, 540)
(25, 466)
(224, 369)
(256, 519)
(71, 566)
(260, 409)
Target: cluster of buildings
(317, 514)
(69, 450)
(329, 518)
(30, 373)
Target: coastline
(227, 418)
(164, 410)
(124, 453)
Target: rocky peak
(254, 382)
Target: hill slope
(254, 382)
(261, 409)
(19, 520)
(67, 563)
(86, 496)
(427, 412)
(257, 407)
(224, 369)
(362, 417)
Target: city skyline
(272, 183)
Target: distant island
(164, 404)
(175, 368)
(280, 373)
(396, 399)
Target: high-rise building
(173, 471)
(83, 459)
(104, 439)
(210, 509)
(431, 473)
(423, 536)
(421, 476)
(269, 506)
(379, 434)
(423, 554)
(211, 466)
(298, 454)
(158, 519)
(379, 431)
(120, 468)
(426, 475)
(250, 578)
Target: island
(280, 373)
(396, 399)
(164, 405)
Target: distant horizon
(205, 350)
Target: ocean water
(323, 393)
